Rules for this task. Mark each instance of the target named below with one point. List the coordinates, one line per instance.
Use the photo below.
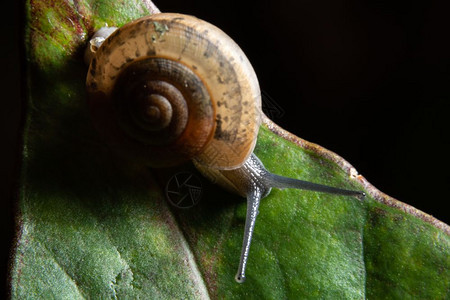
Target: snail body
(167, 88)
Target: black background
(366, 79)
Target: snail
(168, 88)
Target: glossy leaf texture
(93, 226)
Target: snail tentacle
(253, 200)
(282, 182)
(255, 182)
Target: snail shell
(169, 87)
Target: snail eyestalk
(253, 199)
(261, 182)
(282, 182)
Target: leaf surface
(91, 226)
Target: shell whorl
(182, 81)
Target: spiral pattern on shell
(170, 87)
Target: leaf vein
(191, 258)
(61, 267)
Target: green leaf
(91, 226)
